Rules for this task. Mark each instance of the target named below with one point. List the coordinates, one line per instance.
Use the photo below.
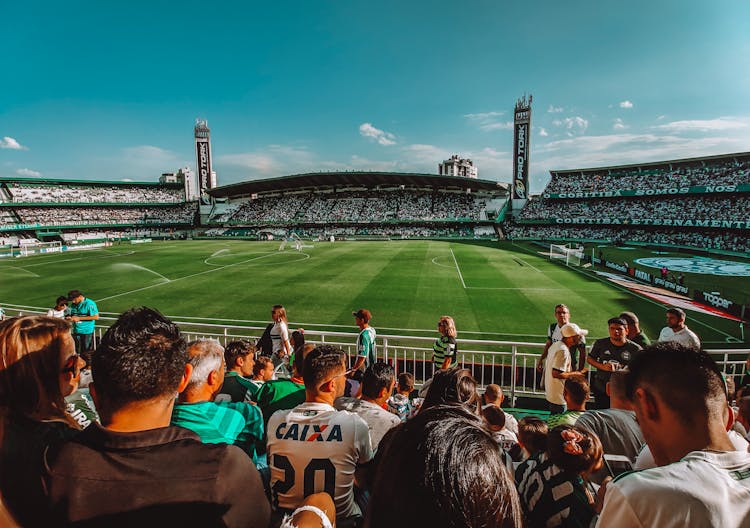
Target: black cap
(74, 294)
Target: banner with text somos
(673, 191)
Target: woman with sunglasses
(38, 369)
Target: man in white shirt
(557, 367)
(680, 401)
(377, 386)
(677, 331)
(313, 447)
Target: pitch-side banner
(690, 222)
(674, 191)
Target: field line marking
(189, 276)
(22, 269)
(643, 297)
(457, 268)
(441, 265)
(529, 265)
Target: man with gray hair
(215, 422)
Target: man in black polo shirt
(608, 355)
(136, 469)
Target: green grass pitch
(493, 290)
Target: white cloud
(660, 118)
(489, 121)
(381, 136)
(127, 179)
(573, 125)
(626, 104)
(543, 132)
(706, 125)
(619, 124)
(554, 109)
(273, 160)
(28, 172)
(9, 143)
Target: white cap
(572, 329)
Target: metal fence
(510, 364)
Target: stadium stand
(699, 203)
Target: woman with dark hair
(442, 469)
(554, 487)
(453, 387)
(38, 369)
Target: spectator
(377, 386)
(441, 469)
(494, 417)
(228, 422)
(316, 511)
(280, 394)
(61, 305)
(701, 480)
(608, 355)
(136, 469)
(493, 395)
(400, 403)
(562, 315)
(83, 313)
(453, 387)
(239, 359)
(616, 427)
(635, 334)
(263, 371)
(554, 491)
(343, 441)
(38, 369)
(558, 366)
(366, 355)
(444, 349)
(676, 330)
(282, 349)
(576, 394)
(532, 438)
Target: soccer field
(493, 290)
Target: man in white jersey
(676, 330)
(680, 401)
(314, 447)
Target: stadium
(409, 247)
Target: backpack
(265, 344)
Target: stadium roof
(314, 180)
(742, 156)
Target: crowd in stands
(197, 434)
(360, 207)
(688, 207)
(71, 193)
(391, 231)
(56, 216)
(724, 172)
(724, 240)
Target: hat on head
(572, 329)
(363, 314)
(74, 294)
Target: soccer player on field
(314, 447)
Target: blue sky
(105, 90)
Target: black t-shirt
(604, 351)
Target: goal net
(38, 248)
(571, 256)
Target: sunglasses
(346, 373)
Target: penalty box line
(189, 276)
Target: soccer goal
(572, 256)
(38, 248)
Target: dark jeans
(84, 345)
(555, 409)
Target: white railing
(510, 364)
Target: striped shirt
(444, 347)
(551, 496)
(240, 424)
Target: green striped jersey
(444, 347)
